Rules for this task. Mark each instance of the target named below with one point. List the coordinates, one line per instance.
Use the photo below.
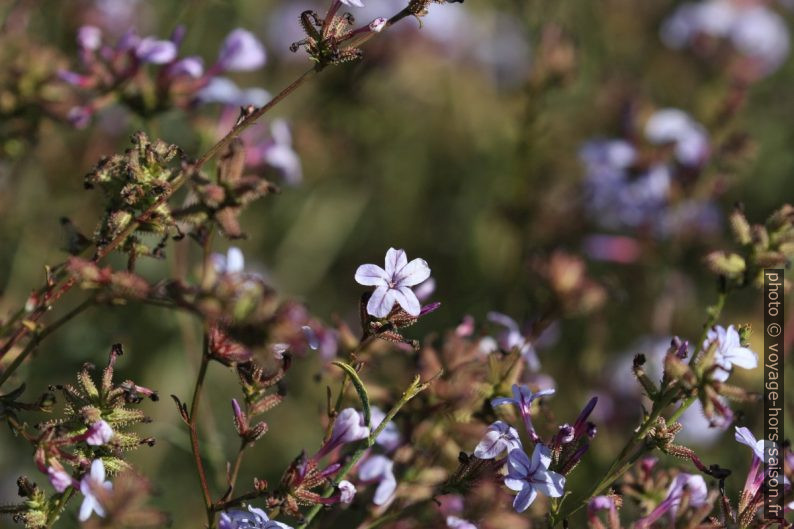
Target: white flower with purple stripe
(393, 283)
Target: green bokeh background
(415, 147)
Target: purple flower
(253, 518)
(59, 478)
(94, 480)
(241, 51)
(155, 51)
(100, 433)
(189, 66)
(528, 477)
(729, 352)
(744, 436)
(453, 522)
(231, 263)
(690, 485)
(278, 153)
(522, 398)
(512, 338)
(224, 91)
(381, 469)
(347, 491)
(498, 438)
(671, 125)
(393, 283)
(348, 427)
(89, 37)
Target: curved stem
(194, 442)
(39, 337)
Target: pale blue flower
(94, 480)
(530, 476)
(500, 437)
(393, 283)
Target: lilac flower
(225, 91)
(671, 125)
(729, 352)
(453, 522)
(231, 263)
(352, 3)
(89, 37)
(59, 478)
(498, 438)
(348, 427)
(744, 436)
(393, 283)
(155, 51)
(347, 491)
(277, 152)
(91, 482)
(522, 398)
(100, 433)
(512, 338)
(253, 518)
(528, 477)
(381, 469)
(390, 437)
(241, 51)
(192, 66)
(691, 485)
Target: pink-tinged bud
(347, 491)
(377, 25)
(59, 478)
(100, 433)
(89, 37)
(240, 420)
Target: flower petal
(541, 457)
(98, 471)
(86, 508)
(235, 262)
(413, 273)
(381, 302)
(371, 275)
(407, 300)
(742, 357)
(385, 489)
(395, 261)
(549, 483)
(524, 499)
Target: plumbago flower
(252, 518)
(89, 485)
(512, 338)
(522, 399)
(379, 469)
(500, 437)
(729, 352)
(530, 476)
(393, 283)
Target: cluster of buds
(134, 183)
(110, 73)
(90, 439)
(768, 245)
(303, 478)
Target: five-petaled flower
(393, 283)
(729, 352)
(253, 518)
(528, 477)
(499, 437)
(522, 398)
(91, 482)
